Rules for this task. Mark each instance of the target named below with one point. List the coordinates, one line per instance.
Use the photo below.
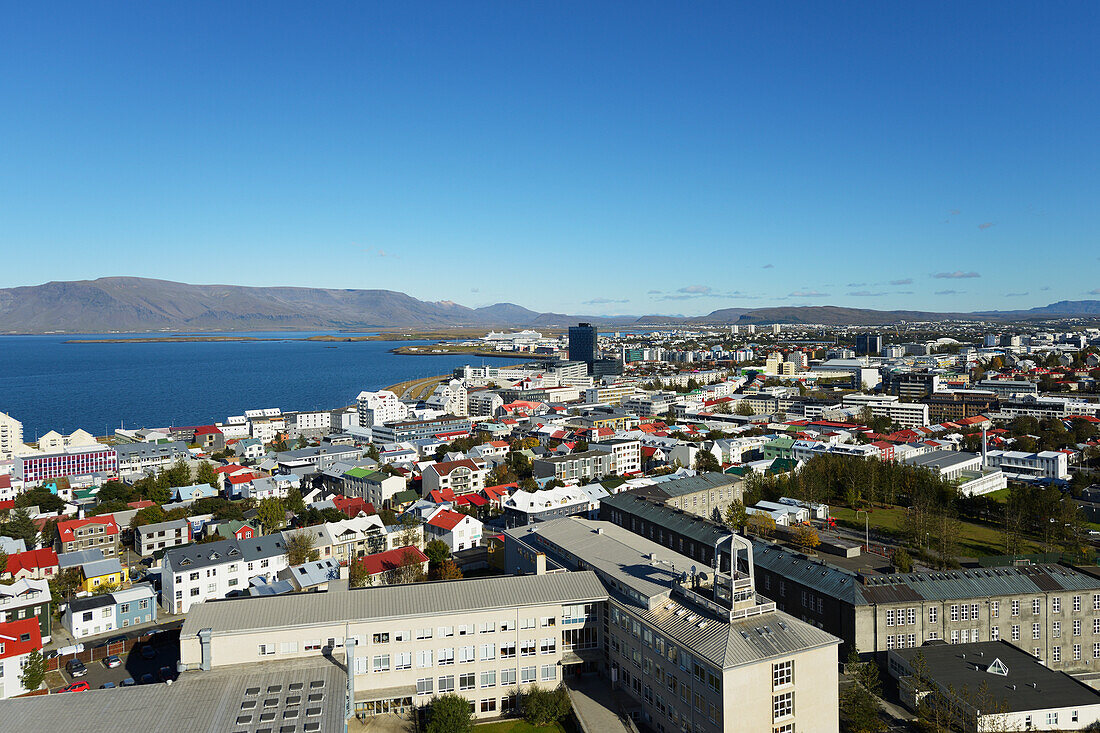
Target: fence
(96, 653)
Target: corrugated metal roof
(199, 702)
(393, 601)
(674, 520)
(826, 579)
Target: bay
(48, 384)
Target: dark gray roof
(257, 548)
(198, 702)
(151, 450)
(393, 601)
(688, 525)
(87, 603)
(935, 586)
(694, 484)
(192, 557)
(964, 667)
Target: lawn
(519, 726)
(975, 540)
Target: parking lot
(165, 653)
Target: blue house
(135, 606)
(193, 493)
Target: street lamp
(866, 527)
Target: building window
(266, 650)
(782, 674)
(527, 674)
(1076, 627)
(489, 679)
(1035, 631)
(954, 612)
(932, 614)
(1015, 632)
(782, 706)
(447, 684)
(994, 633)
(1036, 605)
(548, 672)
(1016, 607)
(466, 681)
(1055, 605)
(1056, 653)
(1056, 628)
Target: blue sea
(52, 385)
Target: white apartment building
(198, 573)
(451, 398)
(459, 531)
(626, 455)
(383, 406)
(1048, 464)
(11, 436)
(320, 420)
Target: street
(166, 646)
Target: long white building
(383, 406)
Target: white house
(17, 640)
(197, 573)
(383, 406)
(459, 531)
(463, 476)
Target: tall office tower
(868, 343)
(582, 343)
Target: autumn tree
(300, 549)
(806, 537)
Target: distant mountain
(1061, 308)
(140, 305)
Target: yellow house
(103, 572)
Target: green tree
(207, 475)
(21, 527)
(902, 561)
(357, 574)
(300, 549)
(3, 562)
(34, 671)
(148, 515)
(65, 583)
(113, 491)
(736, 516)
(179, 474)
(104, 588)
(272, 514)
(449, 713)
(705, 461)
(743, 409)
(542, 707)
(294, 502)
(41, 497)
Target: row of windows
(971, 611)
(471, 681)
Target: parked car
(76, 668)
(112, 661)
(76, 687)
(116, 639)
(107, 686)
(167, 673)
(147, 678)
(128, 682)
(148, 652)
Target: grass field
(975, 540)
(520, 726)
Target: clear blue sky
(577, 157)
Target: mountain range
(135, 304)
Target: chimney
(540, 564)
(985, 454)
(204, 645)
(349, 662)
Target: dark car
(128, 682)
(167, 673)
(116, 640)
(112, 661)
(108, 686)
(148, 652)
(76, 687)
(147, 679)
(76, 668)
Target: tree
(3, 562)
(66, 583)
(41, 497)
(178, 475)
(437, 551)
(410, 533)
(806, 537)
(859, 707)
(407, 572)
(903, 563)
(446, 570)
(207, 474)
(300, 549)
(449, 713)
(34, 671)
(21, 527)
(736, 516)
(272, 514)
(357, 574)
(147, 515)
(762, 524)
(112, 491)
(743, 409)
(294, 502)
(543, 707)
(705, 461)
(104, 588)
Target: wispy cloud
(677, 297)
(768, 266)
(475, 290)
(856, 285)
(654, 292)
(950, 292)
(807, 294)
(956, 275)
(604, 301)
(986, 225)
(954, 212)
(695, 290)
(1015, 295)
(1094, 291)
(866, 294)
(905, 281)
(1045, 287)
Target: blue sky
(577, 157)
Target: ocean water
(52, 385)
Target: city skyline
(785, 156)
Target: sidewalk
(60, 636)
(597, 705)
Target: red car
(76, 687)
